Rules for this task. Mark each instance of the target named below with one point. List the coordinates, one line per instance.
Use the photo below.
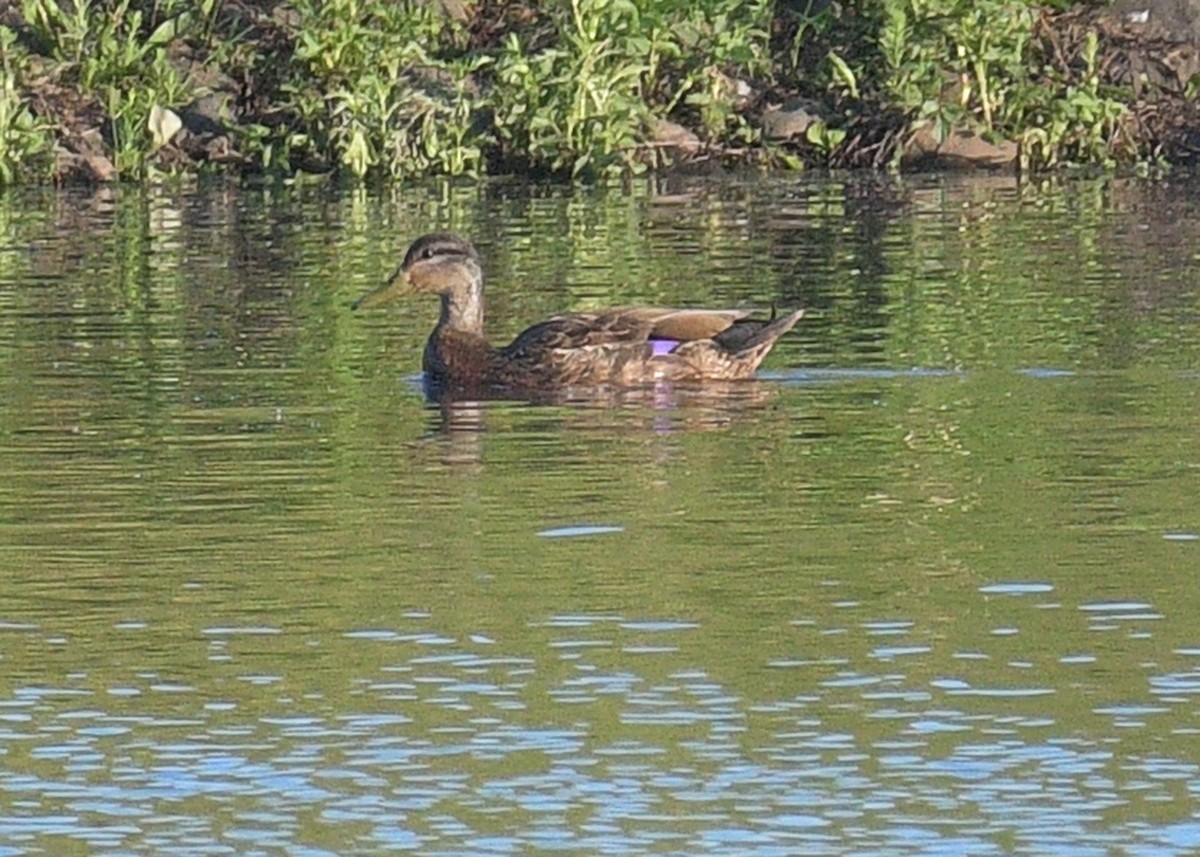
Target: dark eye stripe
(433, 248)
(449, 251)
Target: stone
(87, 164)
(961, 149)
(163, 124)
(206, 115)
(1178, 20)
(792, 119)
(672, 135)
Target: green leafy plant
(723, 47)
(391, 90)
(114, 55)
(581, 102)
(104, 44)
(24, 141)
(381, 88)
(576, 105)
(1075, 122)
(960, 62)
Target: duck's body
(624, 346)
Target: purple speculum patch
(663, 346)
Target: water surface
(928, 587)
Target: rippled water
(928, 587)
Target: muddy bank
(1146, 56)
(243, 106)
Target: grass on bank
(566, 87)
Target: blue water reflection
(926, 588)
(639, 761)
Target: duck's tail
(769, 332)
(744, 345)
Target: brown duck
(624, 346)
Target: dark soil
(1147, 49)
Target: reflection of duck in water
(621, 347)
(652, 416)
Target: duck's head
(439, 263)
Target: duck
(616, 347)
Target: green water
(927, 587)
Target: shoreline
(587, 89)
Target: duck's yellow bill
(393, 287)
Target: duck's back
(623, 326)
(636, 345)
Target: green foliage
(24, 141)
(963, 62)
(582, 100)
(716, 44)
(949, 60)
(378, 88)
(373, 89)
(116, 54)
(103, 45)
(577, 105)
(1083, 125)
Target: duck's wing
(623, 325)
(689, 325)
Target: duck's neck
(457, 354)
(462, 310)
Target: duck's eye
(427, 253)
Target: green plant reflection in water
(938, 555)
